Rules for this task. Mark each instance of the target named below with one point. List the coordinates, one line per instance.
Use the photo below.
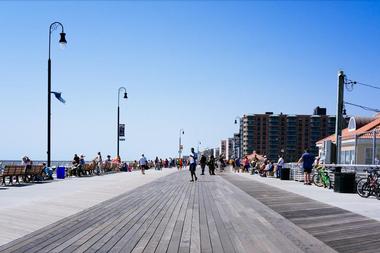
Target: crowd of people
(255, 164)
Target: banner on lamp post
(121, 130)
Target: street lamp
(181, 132)
(237, 148)
(199, 143)
(118, 116)
(63, 42)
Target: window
(368, 155)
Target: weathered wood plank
(162, 218)
(216, 243)
(162, 237)
(204, 234)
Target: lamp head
(235, 121)
(62, 40)
(183, 132)
(125, 95)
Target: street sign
(121, 139)
(121, 130)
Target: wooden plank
(223, 235)
(131, 238)
(215, 240)
(51, 230)
(204, 234)
(221, 199)
(122, 215)
(100, 218)
(157, 227)
(301, 240)
(195, 240)
(163, 236)
(184, 244)
(107, 243)
(177, 231)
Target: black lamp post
(63, 42)
(118, 116)
(237, 148)
(181, 132)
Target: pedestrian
(237, 164)
(246, 164)
(307, 160)
(99, 162)
(203, 163)
(280, 165)
(211, 165)
(81, 165)
(193, 165)
(143, 162)
(157, 163)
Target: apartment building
(273, 134)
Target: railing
(296, 171)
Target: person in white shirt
(142, 163)
(193, 165)
(280, 165)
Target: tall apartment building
(223, 148)
(273, 134)
(229, 148)
(236, 145)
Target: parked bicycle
(322, 178)
(370, 185)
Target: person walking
(193, 165)
(307, 160)
(237, 164)
(203, 163)
(143, 162)
(280, 165)
(99, 163)
(211, 165)
(157, 163)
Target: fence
(296, 171)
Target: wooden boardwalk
(172, 214)
(342, 230)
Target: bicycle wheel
(359, 186)
(317, 180)
(366, 190)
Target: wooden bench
(35, 173)
(11, 171)
(106, 166)
(89, 168)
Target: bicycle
(370, 185)
(322, 178)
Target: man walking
(143, 162)
(193, 165)
(280, 165)
(307, 160)
(211, 165)
(203, 163)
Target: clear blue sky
(192, 65)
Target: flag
(58, 96)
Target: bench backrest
(9, 170)
(35, 170)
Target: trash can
(344, 182)
(285, 174)
(61, 172)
